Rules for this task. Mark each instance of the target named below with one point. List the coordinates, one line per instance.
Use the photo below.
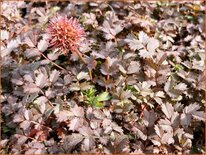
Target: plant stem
(156, 78)
(80, 55)
(90, 74)
(143, 107)
(82, 58)
(51, 61)
(108, 70)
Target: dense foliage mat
(94, 77)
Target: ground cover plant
(102, 77)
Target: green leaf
(99, 105)
(189, 17)
(178, 67)
(5, 129)
(103, 97)
(94, 101)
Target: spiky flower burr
(65, 34)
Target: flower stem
(80, 55)
(52, 61)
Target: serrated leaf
(157, 130)
(25, 124)
(83, 75)
(21, 139)
(143, 37)
(156, 142)
(149, 118)
(88, 143)
(141, 134)
(85, 131)
(18, 118)
(71, 141)
(168, 110)
(74, 87)
(185, 119)
(175, 120)
(160, 94)
(120, 145)
(41, 80)
(31, 88)
(42, 45)
(199, 115)
(77, 111)
(63, 116)
(134, 67)
(103, 97)
(54, 76)
(143, 53)
(41, 102)
(75, 123)
(152, 45)
(134, 44)
(167, 138)
(181, 86)
(32, 52)
(11, 45)
(190, 109)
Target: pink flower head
(65, 33)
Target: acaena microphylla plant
(65, 34)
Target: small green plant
(96, 100)
(178, 67)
